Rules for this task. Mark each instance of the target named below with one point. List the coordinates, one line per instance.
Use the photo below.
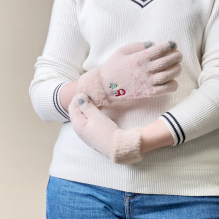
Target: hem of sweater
(130, 178)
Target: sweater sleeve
(198, 114)
(61, 62)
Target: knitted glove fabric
(133, 72)
(102, 134)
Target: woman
(89, 40)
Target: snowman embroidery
(142, 3)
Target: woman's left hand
(102, 134)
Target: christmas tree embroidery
(113, 86)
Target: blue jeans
(75, 200)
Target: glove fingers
(160, 50)
(164, 88)
(75, 113)
(168, 75)
(88, 108)
(166, 61)
(135, 47)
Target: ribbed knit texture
(82, 35)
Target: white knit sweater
(83, 34)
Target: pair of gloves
(137, 70)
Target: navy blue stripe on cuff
(56, 103)
(174, 128)
(180, 127)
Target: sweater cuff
(47, 104)
(174, 127)
(57, 103)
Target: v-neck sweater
(82, 35)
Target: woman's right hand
(133, 71)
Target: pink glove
(133, 72)
(102, 134)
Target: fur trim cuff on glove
(90, 84)
(126, 146)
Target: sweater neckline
(141, 5)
